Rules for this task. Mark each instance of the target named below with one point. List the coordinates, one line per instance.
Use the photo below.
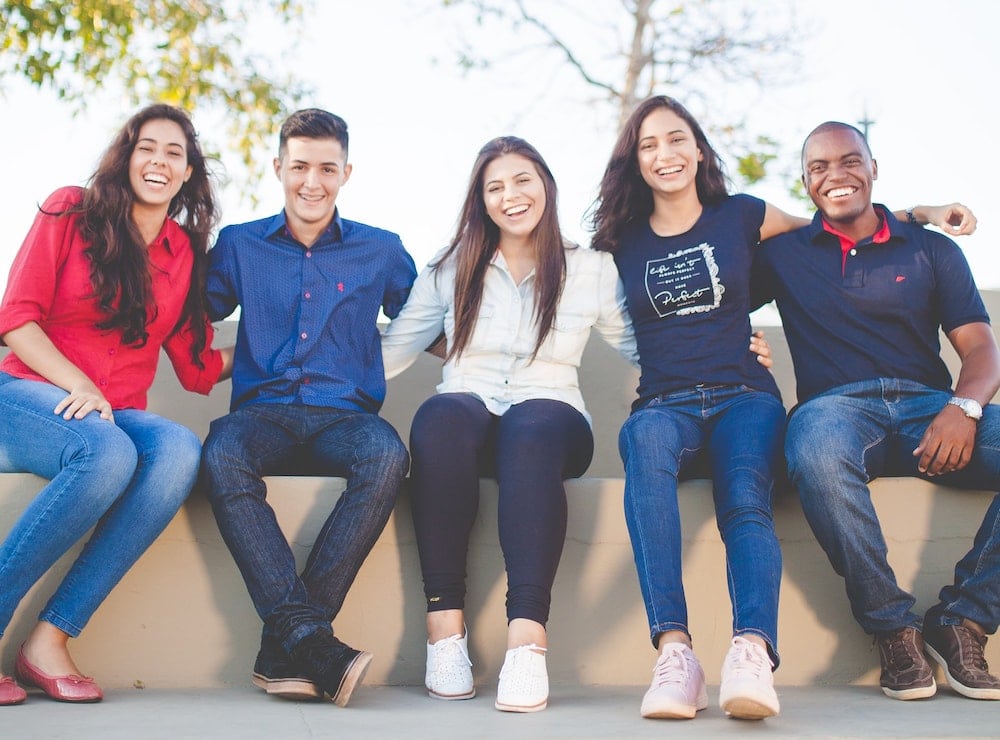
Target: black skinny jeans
(530, 450)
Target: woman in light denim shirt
(516, 303)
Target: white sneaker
(524, 680)
(747, 690)
(449, 670)
(677, 690)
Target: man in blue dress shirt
(307, 387)
(862, 298)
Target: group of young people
(110, 273)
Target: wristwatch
(970, 407)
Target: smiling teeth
(670, 170)
(516, 210)
(158, 179)
(840, 192)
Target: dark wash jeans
(737, 433)
(264, 438)
(840, 440)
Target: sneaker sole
(354, 674)
(919, 692)
(744, 708)
(450, 697)
(969, 691)
(676, 711)
(521, 707)
(295, 689)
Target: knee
(646, 439)
(222, 450)
(107, 452)
(175, 459)
(384, 447)
(444, 411)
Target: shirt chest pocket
(567, 338)
(484, 334)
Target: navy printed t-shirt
(872, 311)
(689, 297)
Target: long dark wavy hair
(477, 238)
(625, 198)
(119, 265)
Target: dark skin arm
(948, 443)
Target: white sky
(924, 71)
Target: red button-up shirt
(50, 284)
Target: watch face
(970, 407)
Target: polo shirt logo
(900, 278)
(684, 282)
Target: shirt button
(308, 295)
(309, 254)
(305, 381)
(854, 253)
(111, 351)
(303, 335)
(104, 382)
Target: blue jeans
(839, 441)
(267, 439)
(124, 479)
(736, 433)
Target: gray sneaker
(959, 650)
(906, 674)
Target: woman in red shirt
(106, 276)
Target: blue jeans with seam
(269, 438)
(735, 434)
(844, 438)
(124, 479)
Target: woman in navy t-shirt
(706, 406)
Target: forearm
(34, 348)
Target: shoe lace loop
(449, 646)
(746, 659)
(672, 667)
(972, 649)
(899, 650)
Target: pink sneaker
(747, 690)
(677, 690)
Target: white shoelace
(673, 667)
(746, 659)
(446, 647)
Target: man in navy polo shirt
(307, 387)
(862, 297)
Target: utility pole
(865, 123)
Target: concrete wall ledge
(182, 618)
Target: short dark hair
(834, 126)
(313, 123)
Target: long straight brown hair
(477, 238)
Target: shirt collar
(889, 227)
(168, 238)
(334, 232)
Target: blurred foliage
(697, 51)
(188, 53)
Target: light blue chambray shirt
(496, 364)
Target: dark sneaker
(335, 667)
(274, 672)
(959, 650)
(906, 674)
